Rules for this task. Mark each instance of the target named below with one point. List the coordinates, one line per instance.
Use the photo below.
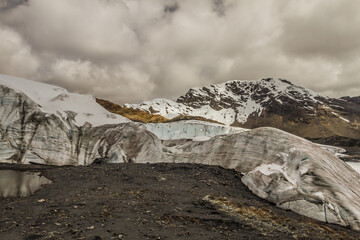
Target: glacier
(190, 129)
(58, 101)
(38, 126)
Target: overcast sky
(135, 50)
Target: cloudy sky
(135, 50)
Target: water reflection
(13, 183)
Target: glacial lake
(20, 184)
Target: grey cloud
(68, 29)
(133, 50)
(219, 7)
(329, 29)
(171, 8)
(9, 4)
(16, 55)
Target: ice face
(190, 129)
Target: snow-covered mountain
(266, 102)
(230, 102)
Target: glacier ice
(190, 129)
(285, 169)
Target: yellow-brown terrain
(130, 113)
(138, 115)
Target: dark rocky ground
(352, 146)
(151, 201)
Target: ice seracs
(190, 129)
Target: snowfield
(58, 101)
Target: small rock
(41, 200)
(90, 228)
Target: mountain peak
(236, 93)
(272, 102)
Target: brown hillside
(138, 115)
(186, 117)
(130, 113)
(322, 124)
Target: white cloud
(16, 57)
(87, 77)
(132, 50)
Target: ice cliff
(42, 123)
(190, 129)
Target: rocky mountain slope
(285, 169)
(268, 102)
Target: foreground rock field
(151, 201)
